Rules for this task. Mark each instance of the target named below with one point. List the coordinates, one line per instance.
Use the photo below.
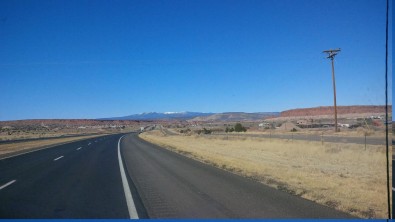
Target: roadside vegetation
(343, 176)
(10, 148)
(237, 128)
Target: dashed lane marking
(7, 184)
(58, 158)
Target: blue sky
(92, 59)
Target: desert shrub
(229, 130)
(293, 130)
(206, 131)
(240, 128)
(185, 131)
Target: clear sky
(93, 59)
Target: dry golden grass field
(340, 175)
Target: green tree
(240, 128)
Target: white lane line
(79, 148)
(58, 158)
(89, 144)
(7, 184)
(44, 148)
(126, 189)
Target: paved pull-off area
(85, 179)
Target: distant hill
(161, 116)
(198, 116)
(329, 110)
(236, 116)
(316, 112)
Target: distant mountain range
(242, 116)
(197, 116)
(235, 116)
(357, 110)
(160, 116)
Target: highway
(45, 138)
(84, 179)
(170, 185)
(75, 180)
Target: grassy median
(343, 176)
(17, 147)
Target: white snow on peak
(173, 112)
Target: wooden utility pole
(331, 55)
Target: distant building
(303, 122)
(343, 125)
(265, 125)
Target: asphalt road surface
(76, 180)
(170, 185)
(44, 138)
(83, 180)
